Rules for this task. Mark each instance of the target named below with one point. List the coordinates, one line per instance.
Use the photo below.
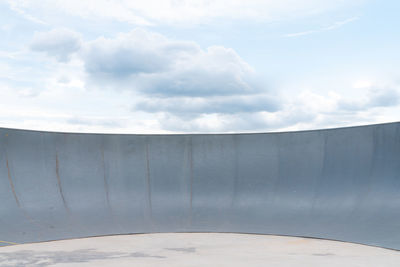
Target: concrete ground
(197, 249)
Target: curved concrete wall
(341, 184)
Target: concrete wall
(341, 184)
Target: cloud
(178, 86)
(375, 98)
(215, 71)
(15, 7)
(244, 114)
(306, 110)
(236, 122)
(334, 26)
(386, 97)
(193, 106)
(183, 12)
(90, 121)
(177, 80)
(155, 65)
(58, 43)
(128, 54)
(185, 88)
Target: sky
(200, 66)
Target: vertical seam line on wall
(12, 184)
(59, 183)
(148, 178)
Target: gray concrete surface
(197, 250)
(341, 184)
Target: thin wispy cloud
(175, 12)
(25, 15)
(334, 26)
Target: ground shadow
(48, 258)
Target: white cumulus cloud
(59, 43)
(152, 64)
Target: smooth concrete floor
(198, 249)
